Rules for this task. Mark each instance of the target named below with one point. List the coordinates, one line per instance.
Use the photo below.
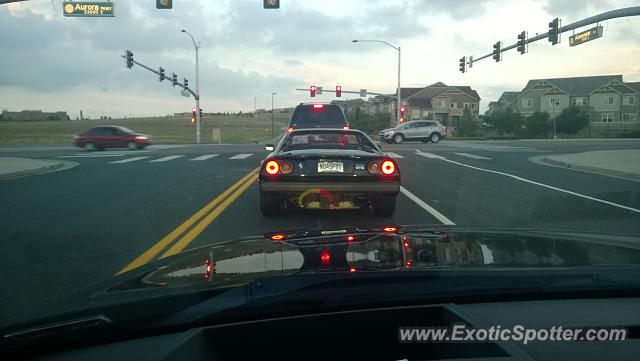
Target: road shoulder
(16, 167)
(614, 163)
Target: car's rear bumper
(380, 188)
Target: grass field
(163, 130)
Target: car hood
(379, 249)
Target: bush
(467, 127)
(368, 123)
(571, 120)
(630, 134)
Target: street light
(197, 46)
(398, 92)
(272, 115)
(553, 107)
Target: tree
(505, 121)
(537, 125)
(571, 120)
(467, 127)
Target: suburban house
(437, 101)
(505, 101)
(612, 104)
(440, 102)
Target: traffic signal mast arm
(156, 72)
(350, 92)
(618, 13)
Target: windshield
(132, 132)
(326, 140)
(318, 116)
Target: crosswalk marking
(171, 157)
(128, 160)
(472, 156)
(394, 155)
(205, 157)
(429, 155)
(241, 156)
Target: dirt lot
(163, 130)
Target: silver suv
(422, 130)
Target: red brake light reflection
(290, 129)
(207, 271)
(351, 238)
(325, 257)
(352, 269)
(345, 128)
(277, 237)
(390, 229)
(318, 106)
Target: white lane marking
(205, 157)
(473, 156)
(241, 156)
(394, 155)
(539, 184)
(128, 160)
(165, 159)
(429, 155)
(91, 156)
(439, 216)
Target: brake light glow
(277, 237)
(325, 257)
(351, 238)
(286, 167)
(290, 129)
(390, 229)
(408, 264)
(272, 167)
(388, 167)
(352, 269)
(207, 268)
(345, 128)
(318, 106)
(406, 244)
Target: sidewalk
(12, 167)
(619, 163)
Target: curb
(42, 170)
(585, 168)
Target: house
(440, 102)
(506, 100)
(612, 104)
(351, 105)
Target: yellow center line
(152, 252)
(195, 231)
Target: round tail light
(388, 167)
(272, 167)
(286, 167)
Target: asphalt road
(65, 231)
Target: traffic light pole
(197, 96)
(618, 13)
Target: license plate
(330, 167)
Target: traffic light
(496, 51)
(174, 79)
(402, 110)
(129, 57)
(463, 64)
(312, 91)
(161, 74)
(200, 114)
(554, 31)
(164, 4)
(338, 91)
(193, 115)
(186, 83)
(522, 42)
(271, 4)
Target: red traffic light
(402, 109)
(312, 90)
(338, 91)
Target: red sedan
(110, 137)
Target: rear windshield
(318, 116)
(326, 140)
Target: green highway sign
(87, 9)
(585, 36)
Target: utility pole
(197, 95)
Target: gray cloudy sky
(55, 63)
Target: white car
(422, 130)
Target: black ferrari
(328, 169)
